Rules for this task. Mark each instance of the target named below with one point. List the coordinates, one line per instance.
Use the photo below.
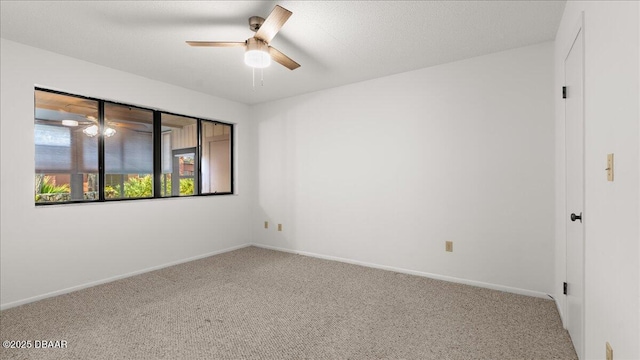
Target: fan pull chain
(253, 75)
(261, 76)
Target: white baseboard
(413, 272)
(305, 253)
(114, 278)
(560, 312)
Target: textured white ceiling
(336, 42)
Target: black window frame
(157, 152)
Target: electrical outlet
(279, 227)
(449, 246)
(266, 224)
(609, 352)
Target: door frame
(577, 29)
(175, 180)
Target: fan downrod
(255, 22)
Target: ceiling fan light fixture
(109, 132)
(257, 59)
(257, 54)
(91, 131)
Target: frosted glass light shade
(257, 54)
(257, 59)
(91, 131)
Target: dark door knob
(575, 217)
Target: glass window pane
(128, 152)
(66, 159)
(216, 158)
(179, 167)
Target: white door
(574, 122)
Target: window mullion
(198, 158)
(101, 170)
(157, 154)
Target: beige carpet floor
(254, 303)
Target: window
(128, 152)
(92, 150)
(66, 160)
(216, 157)
(179, 143)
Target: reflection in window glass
(128, 152)
(95, 150)
(179, 165)
(216, 158)
(66, 159)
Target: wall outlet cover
(609, 167)
(449, 246)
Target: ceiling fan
(258, 53)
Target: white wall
(384, 171)
(49, 250)
(612, 113)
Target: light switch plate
(279, 227)
(609, 167)
(266, 224)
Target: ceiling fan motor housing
(257, 44)
(255, 22)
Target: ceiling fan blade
(273, 23)
(282, 59)
(216, 43)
